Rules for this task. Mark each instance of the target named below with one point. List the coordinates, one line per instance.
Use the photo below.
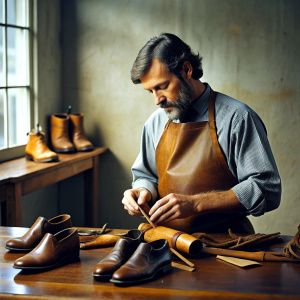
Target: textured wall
(250, 51)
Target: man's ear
(187, 69)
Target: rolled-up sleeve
(253, 164)
(144, 168)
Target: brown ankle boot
(78, 134)
(37, 150)
(60, 134)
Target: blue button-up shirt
(243, 139)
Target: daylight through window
(15, 86)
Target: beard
(179, 108)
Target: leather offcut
(234, 241)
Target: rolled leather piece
(177, 240)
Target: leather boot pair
(51, 251)
(37, 150)
(35, 234)
(132, 261)
(68, 134)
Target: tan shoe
(78, 134)
(60, 138)
(37, 150)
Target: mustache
(167, 103)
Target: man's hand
(176, 206)
(173, 206)
(134, 196)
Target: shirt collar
(201, 103)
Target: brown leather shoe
(37, 231)
(37, 150)
(121, 252)
(146, 262)
(51, 251)
(78, 134)
(60, 138)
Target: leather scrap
(293, 247)
(291, 253)
(101, 241)
(242, 263)
(234, 241)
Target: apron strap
(168, 124)
(211, 109)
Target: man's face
(169, 92)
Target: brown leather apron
(190, 161)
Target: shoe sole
(85, 149)
(102, 277)
(18, 249)
(31, 158)
(163, 269)
(64, 151)
(67, 259)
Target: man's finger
(157, 205)
(144, 197)
(167, 216)
(162, 212)
(130, 200)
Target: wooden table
(212, 279)
(19, 177)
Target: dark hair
(171, 51)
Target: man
(205, 161)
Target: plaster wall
(250, 51)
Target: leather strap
(293, 247)
(174, 239)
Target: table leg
(13, 205)
(91, 206)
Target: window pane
(17, 12)
(2, 119)
(17, 56)
(18, 116)
(1, 11)
(2, 58)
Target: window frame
(18, 151)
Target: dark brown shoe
(51, 251)
(121, 252)
(146, 262)
(37, 231)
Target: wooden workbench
(212, 279)
(19, 177)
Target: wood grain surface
(212, 279)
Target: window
(15, 73)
